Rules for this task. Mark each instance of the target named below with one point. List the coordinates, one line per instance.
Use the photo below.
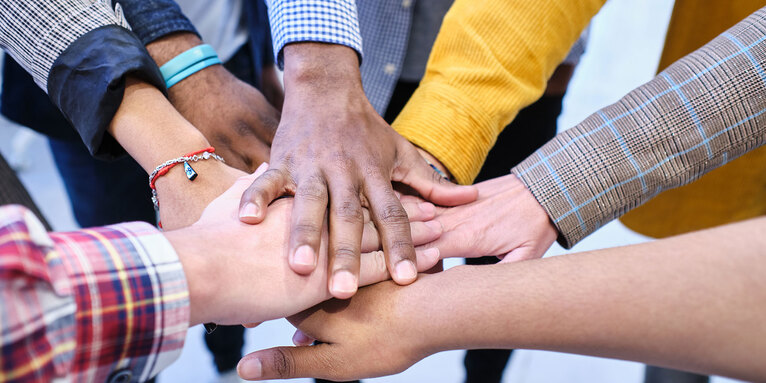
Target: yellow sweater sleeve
(491, 59)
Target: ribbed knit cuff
(445, 123)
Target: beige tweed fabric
(701, 112)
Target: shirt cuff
(151, 20)
(450, 127)
(128, 280)
(87, 83)
(326, 21)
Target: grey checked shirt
(35, 33)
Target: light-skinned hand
(505, 221)
(238, 273)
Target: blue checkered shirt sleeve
(703, 111)
(327, 21)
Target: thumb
(433, 187)
(241, 184)
(290, 362)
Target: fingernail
(250, 210)
(250, 368)
(300, 339)
(406, 270)
(431, 253)
(344, 282)
(304, 256)
(435, 226)
(427, 208)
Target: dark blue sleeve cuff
(152, 19)
(87, 83)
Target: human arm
(85, 58)
(117, 300)
(692, 302)
(698, 114)
(490, 60)
(90, 304)
(80, 54)
(332, 148)
(655, 138)
(234, 116)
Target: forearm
(152, 132)
(27, 27)
(515, 46)
(691, 302)
(116, 294)
(700, 113)
(150, 129)
(80, 54)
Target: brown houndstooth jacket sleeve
(706, 109)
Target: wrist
(198, 270)
(150, 129)
(182, 201)
(321, 66)
(166, 48)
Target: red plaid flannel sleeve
(90, 305)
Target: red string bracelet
(191, 174)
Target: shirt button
(120, 376)
(389, 69)
(406, 4)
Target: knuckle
(332, 367)
(313, 189)
(271, 177)
(342, 160)
(282, 364)
(349, 211)
(243, 129)
(400, 247)
(393, 214)
(379, 265)
(345, 253)
(307, 229)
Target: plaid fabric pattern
(85, 305)
(327, 21)
(703, 111)
(35, 33)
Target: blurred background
(624, 47)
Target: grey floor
(624, 48)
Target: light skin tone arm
(693, 302)
(333, 150)
(152, 132)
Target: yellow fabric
(731, 193)
(491, 59)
